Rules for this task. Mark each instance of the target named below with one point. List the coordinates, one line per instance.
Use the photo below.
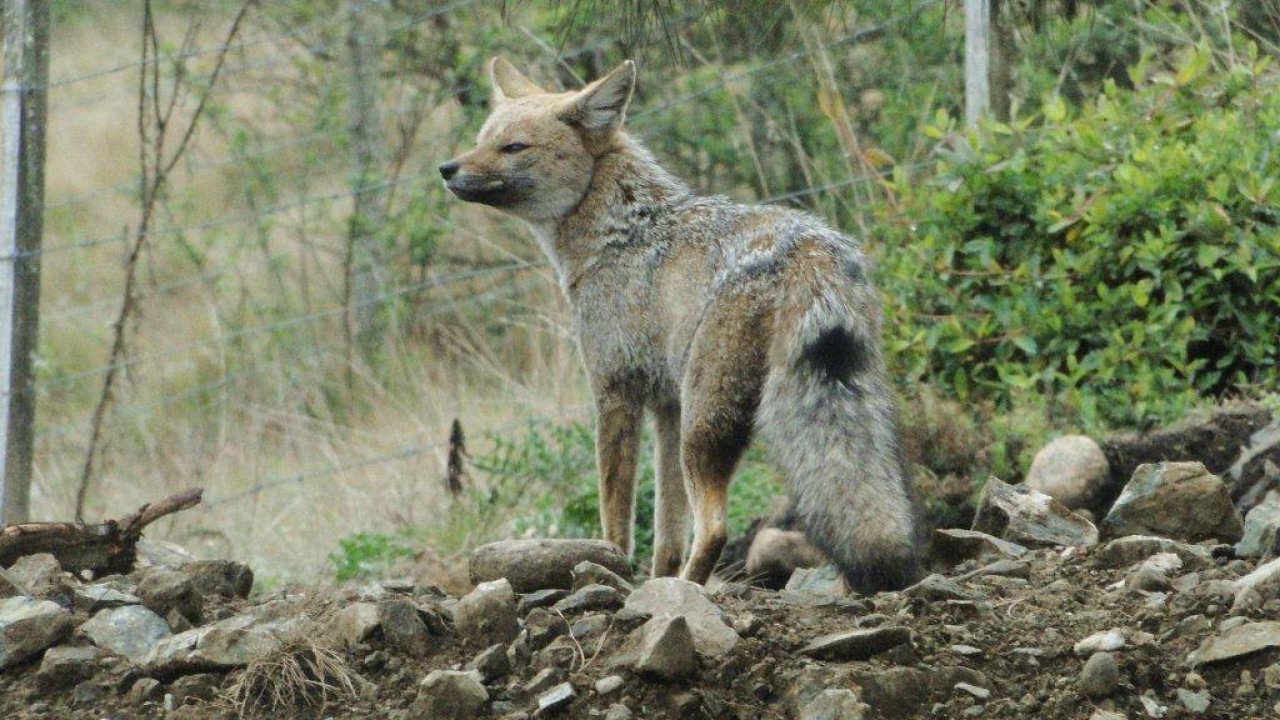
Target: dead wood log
(105, 548)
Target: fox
(722, 321)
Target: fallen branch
(104, 548)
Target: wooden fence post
(23, 91)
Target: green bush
(1120, 260)
(367, 554)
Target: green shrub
(367, 554)
(1121, 260)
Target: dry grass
(299, 677)
(255, 410)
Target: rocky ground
(1167, 608)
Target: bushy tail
(828, 415)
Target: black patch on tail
(837, 355)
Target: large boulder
(1028, 517)
(223, 645)
(130, 631)
(28, 626)
(1178, 500)
(1072, 470)
(538, 564)
(668, 597)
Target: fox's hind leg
(671, 502)
(719, 397)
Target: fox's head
(536, 153)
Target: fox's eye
(513, 147)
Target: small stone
(589, 573)
(129, 631)
(953, 546)
(402, 626)
(1255, 589)
(606, 685)
(1197, 703)
(1101, 714)
(41, 577)
(1261, 528)
(823, 581)
(669, 597)
(1070, 469)
(543, 679)
(591, 598)
(353, 624)
(835, 704)
(487, 614)
(1100, 675)
(979, 692)
(1177, 500)
(492, 663)
(618, 711)
(966, 650)
(224, 578)
(107, 594)
(449, 695)
(937, 588)
(556, 698)
(856, 644)
(200, 686)
(667, 651)
(537, 564)
(541, 599)
(163, 589)
(1130, 549)
(65, 665)
(1237, 642)
(28, 626)
(588, 627)
(1030, 518)
(1105, 641)
(144, 690)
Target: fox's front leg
(617, 441)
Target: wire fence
(251, 245)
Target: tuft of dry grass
(301, 676)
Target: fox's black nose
(448, 169)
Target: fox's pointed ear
(508, 82)
(603, 104)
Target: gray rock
(145, 689)
(449, 695)
(1177, 500)
(835, 704)
(1196, 703)
(531, 565)
(857, 644)
(1261, 526)
(667, 651)
(1236, 643)
(589, 573)
(1155, 574)
(823, 581)
(223, 645)
(776, 554)
(1025, 516)
(220, 577)
(129, 631)
(938, 588)
(41, 577)
(591, 598)
(106, 594)
(1101, 714)
(163, 589)
(555, 699)
(1104, 641)
(588, 626)
(28, 626)
(953, 546)
(492, 663)
(618, 711)
(1071, 469)
(1131, 549)
(544, 679)
(199, 686)
(65, 665)
(541, 599)
(402, 626)
(1100, 675)
(8, 587)
(606, 685)
(669, 597)
(1256, 588)
(161, 553)
(353, 624)
(488, 615)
